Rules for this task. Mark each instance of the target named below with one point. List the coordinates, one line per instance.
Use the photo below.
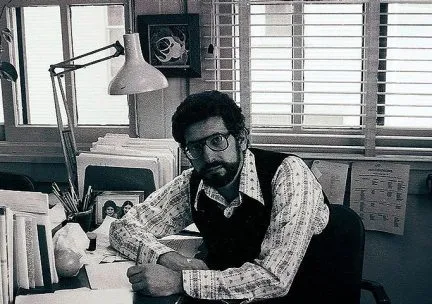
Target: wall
(403, 264)
(156, 108)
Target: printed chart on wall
(379, 194)
(332, 177)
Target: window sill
(33, 152)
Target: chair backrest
(331, 270)
(19, 182)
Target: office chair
(19, 182)
(331, 271)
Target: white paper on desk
(103, 229)
(187, 245)
(79, 296)
(379, 194)
(57, 214)
(104, 252)
(109, 275)
(332, 176)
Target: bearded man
(256, 211)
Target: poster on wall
(379, 194)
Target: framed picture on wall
(115, 203)
(171, 43)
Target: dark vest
(235, 240)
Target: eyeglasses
(216, 142)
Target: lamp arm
(67, 134)
(69, 66)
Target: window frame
(41, 137)
(369, 140)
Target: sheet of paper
(104, 252)
(379, 194)
(192, 228)
(112, 296)
(332, 176)
(187, 245)
(109, 275)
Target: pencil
(138, 253)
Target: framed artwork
(115, 203)
(171, 43)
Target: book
(4, 280)
(29, 251)
(20, 253)
(44, 252)
(37, 258)
(26, 249)
(10, 251)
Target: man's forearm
(175, 261)
(127, 244)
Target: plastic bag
(70, 243)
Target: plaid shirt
(298, 212)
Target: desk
(66, 292)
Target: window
(45, 34)
(327, 76)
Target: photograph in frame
(115, 204)
(171, 43)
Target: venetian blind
(326, 76)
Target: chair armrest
(377, 290)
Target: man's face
(216, 168)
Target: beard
(218, 174)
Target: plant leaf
(7, 35)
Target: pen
(138, 253)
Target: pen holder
(84, 219)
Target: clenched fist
(155, 280)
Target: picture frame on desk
(115, 203)
(171, 43)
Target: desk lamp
(136, 76)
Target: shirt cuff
(151, 254)
(200, 284)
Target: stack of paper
(26, 249)
(161, 156)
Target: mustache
(212, 165)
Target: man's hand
(175, 261)
(155, 280)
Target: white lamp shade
(136, 75)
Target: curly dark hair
(108, 203)
(200, 106)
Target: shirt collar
(249, 183)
